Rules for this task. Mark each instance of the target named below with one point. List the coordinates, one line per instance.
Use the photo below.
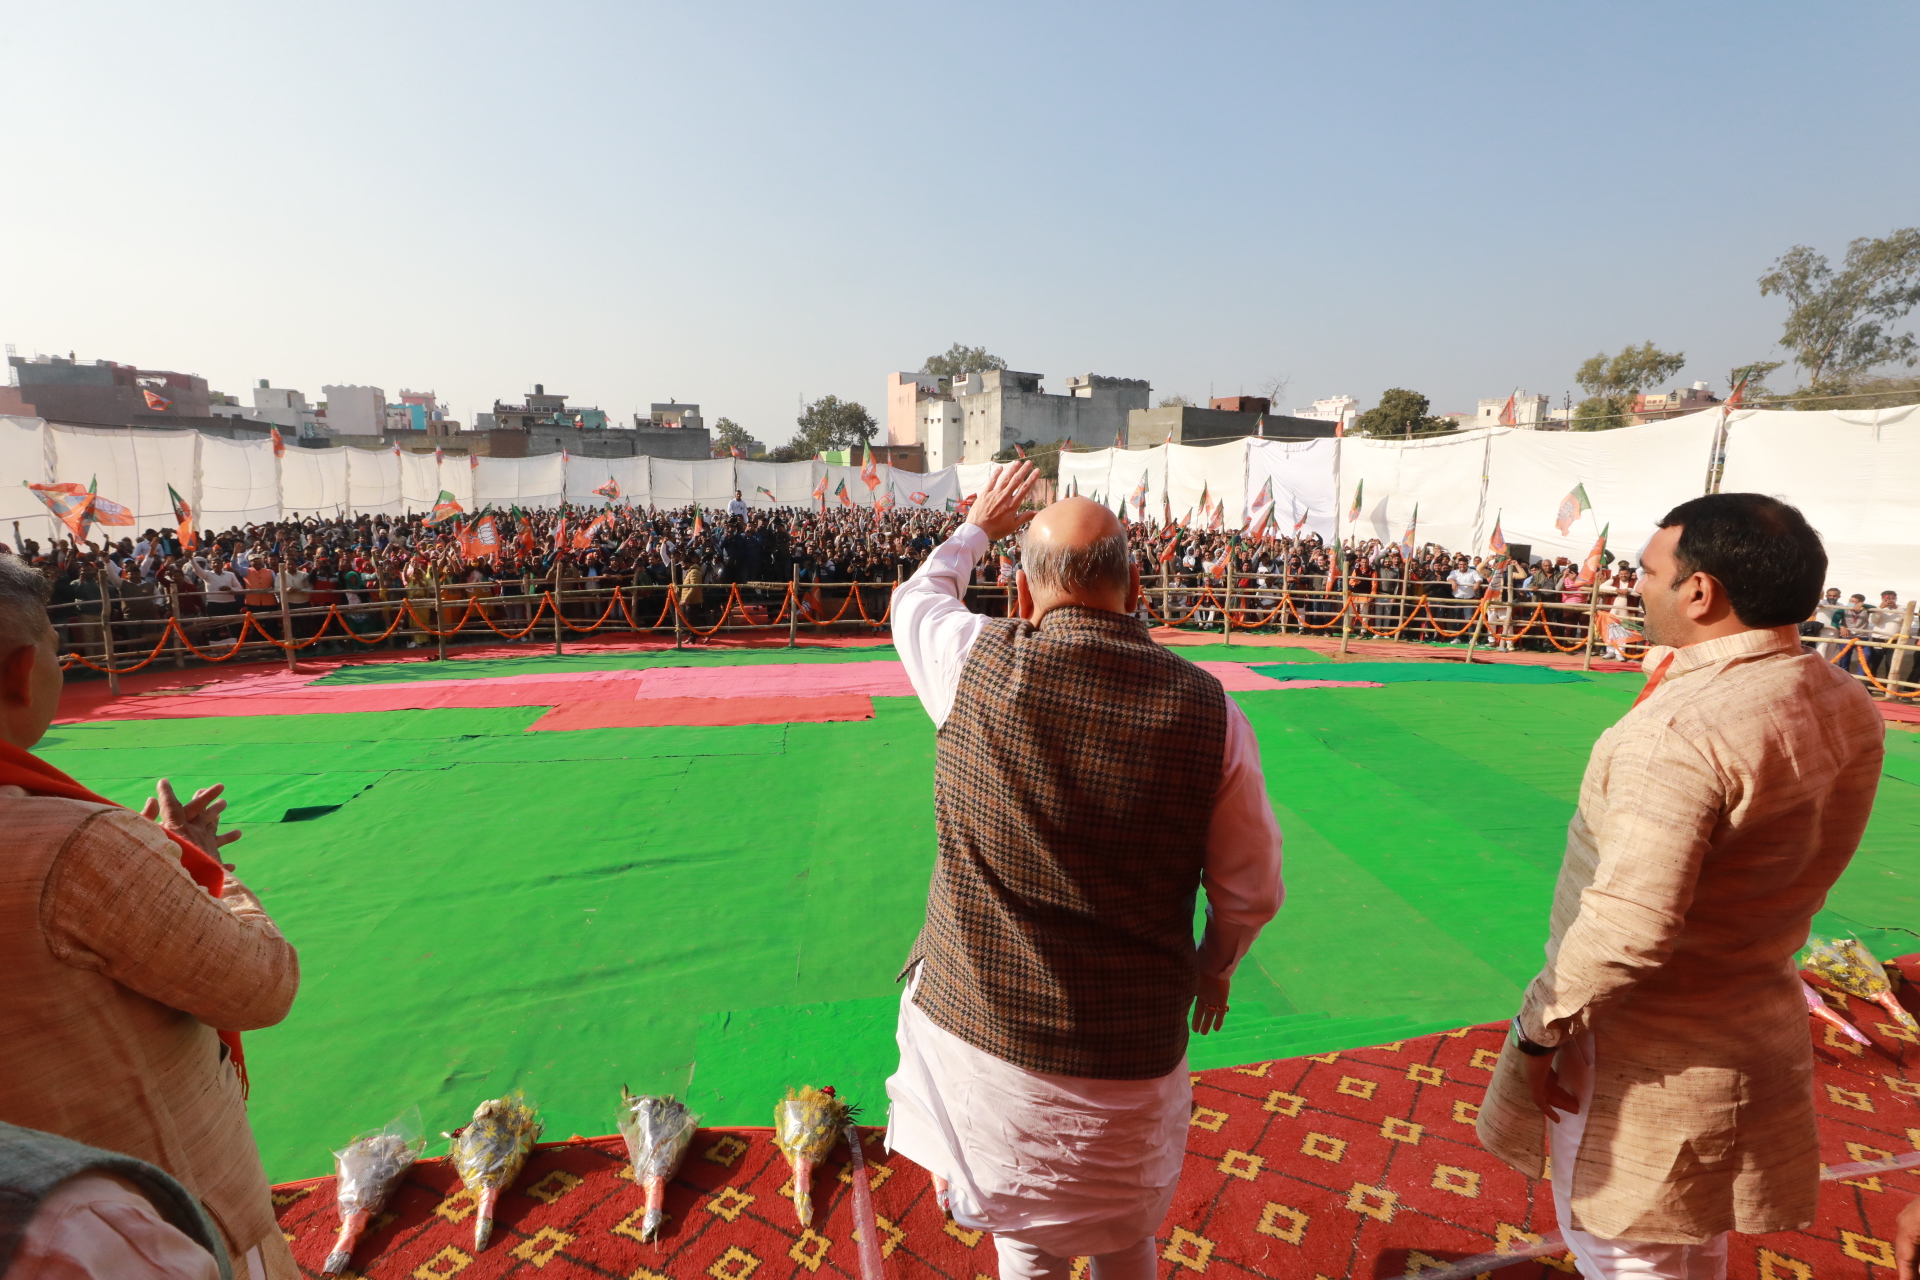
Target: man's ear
(16, 674)
(1023, 598)
(1133, 586)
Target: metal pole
(1346, 606)
(1899, 666)
(440, 617)
(558, 646)
(1226, 607)
(793, 609)
(1479, 615)
(673, 599)
(1593, 614)
(286, 618)
(106, 637)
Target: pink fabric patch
(875, 679)
(646, 713)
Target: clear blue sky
(739, 205)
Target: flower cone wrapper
(489, 1152)
(658, 1131)
(806, 1124)
(1818, 1008)
(366, 1172)
(1848, 965)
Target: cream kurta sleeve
(1663, 801)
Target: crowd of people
(365, 564)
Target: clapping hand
(197, 821)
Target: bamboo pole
(1346, 606)
(559, 646)
(173, 602)
(1593, 616)
(1226, 603)
(673, 598)
(793, 607)
(440, 617)
(106, 637)
(286, 619)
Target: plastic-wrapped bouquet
(1850, 967)
(806, 1124)
(366, 1172)
(488, 1153)
(1818, 1008)
(658, 1131)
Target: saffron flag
(1172, 550)
(1120, 439)
(1738, 394)
(917, 498)
(1299, 516)
(1353, 512)
(182, 516)
(396, 448)
(473, 462)
(1006, 567)
(1506, 413)
(279, 445)
(1169, 439)
(840, 492)
(965, 504)
(1218, 569)
(1596, 559)
(1139, 498)
(699, 522)
(820, 490)
(1265, 496)
(1166, 509)
(762, 489)
(1262, 524)
(584, 538)
(1260, 428)
(1219, 514)
(1498, 542)
(481, 539)
(1571, 508)
(439, 456)
(444, 509)
(560, 534)
(67, 502)
(157, 403)
(885, 502)
(104, 511)
(1406, 539)
(610, 490)
(869, 473)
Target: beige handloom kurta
(1713, 819)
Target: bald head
(1076, 547)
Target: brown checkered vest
(1073, 788)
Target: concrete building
(672, 414)
(427, 413)
(543, 410)
(937, 431)
(1656, 407)
(1241, 404)
(1002, 407)
(905, 394)
(103, 393)
(1341, 410)
(1190, 424)
(355, 410)
(1529, 410)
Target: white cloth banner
(672, 482)
(1632, 475)
(972, 477)
(1092, 473)
(132, 468)
(857, 491)
(24, 461)
(713, 483)
(1443, 476)
(419, 482)
(239, 483)
(1301, 473)
(1855, 475)
(584, 475)
(313, 482)
(1217, 472)
(373, 482)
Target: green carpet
(1410, 672)
(721, 911)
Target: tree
(1275, 389)
(1401, 413)
(832, 423)
(1175, 402)
(959, 360)
(1611, 383)
(729, 435)
(1839, 324)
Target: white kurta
(1070, 1165)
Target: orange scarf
(37, 777)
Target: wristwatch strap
(1524, 1045)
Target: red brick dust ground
(1355, 1165)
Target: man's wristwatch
(1518, 1039)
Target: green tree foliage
(729, 435)
(959, 359)
(1401, 413)
(1611, 383)
(832, 423)
(1840, 323)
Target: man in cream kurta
(1713, 819)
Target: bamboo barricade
(1264, 603)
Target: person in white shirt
(1465, 581)
(738, 507)
(1088, 785)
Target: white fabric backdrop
(419, 482)
(24, 461)
(1633, 476)
(1219, 471)
(1855, 475)
(1092, 471)
(1302, 476)
(314, 481)
(373, 482)
(239, 483)
(1443, 476)
(133, 468)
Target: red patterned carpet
(1360, 1164)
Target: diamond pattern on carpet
(1355, 1165)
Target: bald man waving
(1088, 784)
